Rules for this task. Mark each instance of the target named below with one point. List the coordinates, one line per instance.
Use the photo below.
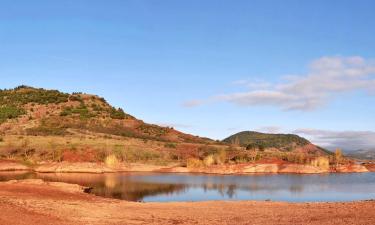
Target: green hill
(252, 139)
(39, 112)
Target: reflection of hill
(170, 187)
(118, 186)
(137, 191)
(15, 175)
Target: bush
(220, 157)
(322, 162)
(194, 163)
(117, 113)
(10, 112)
(209, 160)
(82, 111)
(170, 145)
(111, 161)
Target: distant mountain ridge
(368, 154)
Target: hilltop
(281, 142)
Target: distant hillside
(39, 112)
(283, 142)
(362, 154)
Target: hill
(39, 125)
(362, 154)
(281, 142)
(39, 112)
(48, 125)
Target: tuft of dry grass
(111, 161)
(194, 163)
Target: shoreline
(38, 202)
(237, 169)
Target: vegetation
(23, 95)
(82, 111)
(46, 131)
(10, 112)
(255, 140)
(338, 156)
(170, 145)
(111, 161)
(322, 162)
(118, 114)
(80, 127)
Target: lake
(167, 187)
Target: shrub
(111, 161)
(10, 112)
(194, 163)
(220, 157)
(117, 113)
(170, 145)
(209, 160)
(322, 162)
(82, 111)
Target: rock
(12, 166)
(65, 167)
(302, 169)
(351, 168)
(71, 188)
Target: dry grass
(111, 161)
(89, 147)
(194, 163)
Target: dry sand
(42, 203)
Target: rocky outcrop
(12, 166)
(71, 188)
(370, 167)
(258, 168)
(303, 169)
(351, 168)
(65, 167)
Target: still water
(157, 187)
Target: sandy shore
(246, 168)
(38, 202)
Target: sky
(207, 67)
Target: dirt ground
(40, 203)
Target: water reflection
(192, 187)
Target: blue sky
(207, 67)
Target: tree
(338, 155)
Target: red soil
(44, 204)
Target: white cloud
(174, 125)
(347, 140)
(327, 77)
(193, 103)
(269, 129)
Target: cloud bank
(326, 77)
(347, 140)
